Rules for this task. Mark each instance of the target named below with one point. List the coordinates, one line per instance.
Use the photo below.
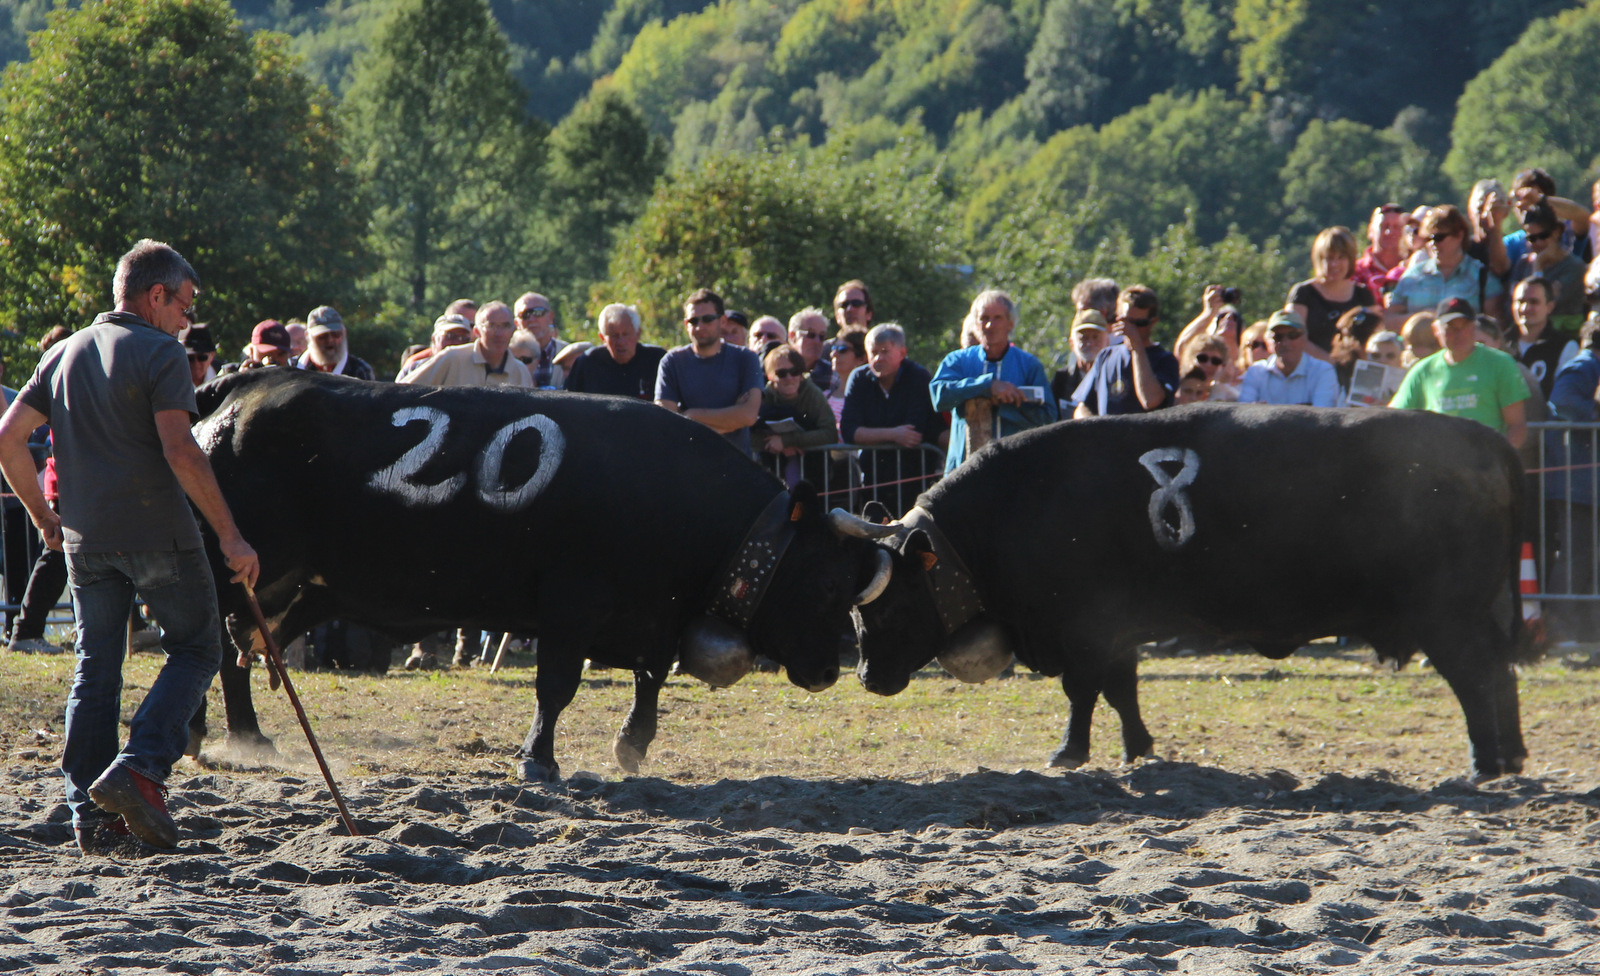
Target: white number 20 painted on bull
(396, 479)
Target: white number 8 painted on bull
(396, 479)
(1169, 494)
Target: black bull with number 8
(601, 524)
(1271, 526)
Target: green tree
(162, 118)
(603, 164)
(772, 235)
(1535, 106)
(1338, 171)
(1202, 153)
(1050, 244)
(449, 156)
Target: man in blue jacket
(1011, 381)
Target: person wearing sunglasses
(1548, 258)
(1133, 374)
(852, 305)
(808, 333)
(794, 415)
(764, 331)
(1290, 376)
(202, 350)
(129, 469)
(534, 314)
(711, 381)
(1535, 187)
(1445, 271)
(1253, 347)
(1209, 355)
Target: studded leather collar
(955, 593)
(743, 581)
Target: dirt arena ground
(1306, 817)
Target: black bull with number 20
(598, 523)
(1267, 525)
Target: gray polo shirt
(101, 389)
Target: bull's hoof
(250, 744)
(1065, 759)
(629, 756)
(534, 771)
(1134, 752)
(197, 738)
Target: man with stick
(119, 400)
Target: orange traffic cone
(1532, 616)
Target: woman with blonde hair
(1330, 291)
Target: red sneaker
(103, 836)
(142, 803)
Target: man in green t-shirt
(1465, 379)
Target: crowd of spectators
(1436, 309)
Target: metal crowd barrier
(13, 516)
(1563, 506)
(850, 475)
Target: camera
(1230, 295)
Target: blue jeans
(178, 588)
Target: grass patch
(1317, 712)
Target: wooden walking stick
(275, 661)
(499, 655)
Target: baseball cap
(1284, 318)
(269, 335)
(1089, 319)
(449, 322)
(322, 319)
(1454, 308)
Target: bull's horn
(880, 578)
(846, 524)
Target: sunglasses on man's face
(806, 334)
(1543, 235)
(706, 319)
(784, 374)
(200, 357)
(533, 312)
(851, 303)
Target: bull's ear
(876, 511)
(806, 502)
(919, 549)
